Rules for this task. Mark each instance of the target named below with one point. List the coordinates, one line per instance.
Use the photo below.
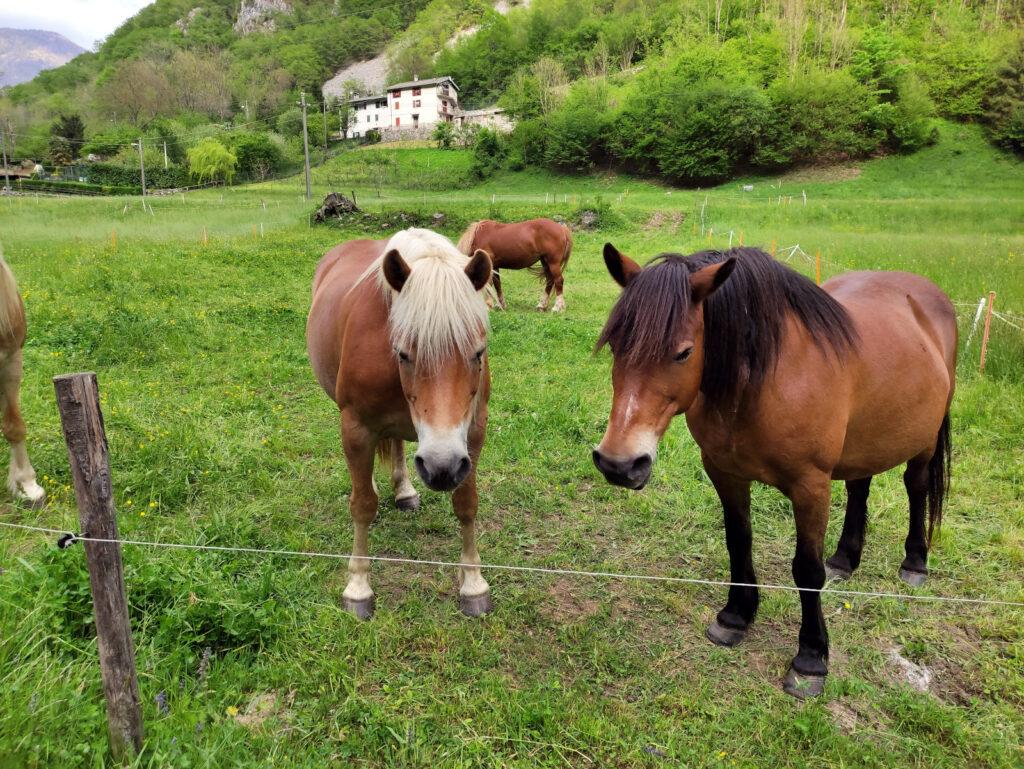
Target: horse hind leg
(406, 497)
(558, 281)
(21, 476)
(914, 569)
(851, 542)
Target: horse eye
(480, 354)
(684, 354)
(403, 357)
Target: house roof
(420, 83)
(361, 99)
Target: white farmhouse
(405, 106)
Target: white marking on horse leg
(559, 304)
(471, 581)
(400, 478)
(358, 587)
(21, 477)
(542, 303)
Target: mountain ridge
(24, 53)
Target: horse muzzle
(443, 473)
(631, 473)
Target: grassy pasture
(219, 435)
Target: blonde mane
(437, 311)
(10, 300)
(466, 241)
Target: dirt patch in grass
(670, 220)
(566, 603)
(837, 172)
(263, 707)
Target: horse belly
(900, 402)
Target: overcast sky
(84, 21)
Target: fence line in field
(68, 538)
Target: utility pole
(305, 146)
(165, 156)
(142, 173)
(3, 142)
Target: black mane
(744, 320)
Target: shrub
(210, 160)
(577, 132)
(372, 136)
(820, 115)
(444, 135)
(697, 134)
(527, 144)
(1004, 103)
(257, 155)
(489, 153)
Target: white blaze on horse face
(442, 444)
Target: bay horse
(791, 385)
(21, 477)
(397, 337)
(522, 245)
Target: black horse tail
(939, 467)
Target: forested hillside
(689, 90)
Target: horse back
(518, 245)
(334, 297)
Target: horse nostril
(464, 467)
(641, 466)
(598, 460)
(421, 466)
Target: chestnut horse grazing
(790, 385)
(21, 477)
(397, 337)
(520, 245)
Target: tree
(69, 127)
(444, 135)
(1004, 104)
(137, 90)
(210, 160)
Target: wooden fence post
(80, 416)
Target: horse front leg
(406, 496)
(810, 498)
(732, 622)
(474, 592)
(359, 445)
(21, 476)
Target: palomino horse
(790, 385)
(21, 477)
(397, 337)
(520, 245)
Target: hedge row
(156, 178)
(43, 185)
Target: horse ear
(704, 282)
(396, 271)
(479, 269)
(622, 268)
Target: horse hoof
(476, 605)
(802, 686)
(38, 503)
(913, 578)
(720, 635)
(836, 574)
(361, 609)
(408, 503)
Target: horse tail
(939, 467)
(388, 450)
(10, 300)
(465, 244)
(568, 246)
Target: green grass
(219, 435)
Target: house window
(415, 91)
(376, 118)
(415, 102)
(398, 121)
(395, 94)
